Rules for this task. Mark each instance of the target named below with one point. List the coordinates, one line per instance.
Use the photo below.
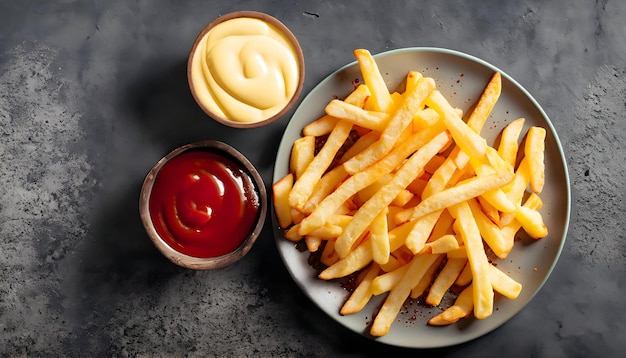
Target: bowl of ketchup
(203, 205)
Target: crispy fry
(441, 177)
(465, 277)
(312, 243)
(362, 179)
(280, 196)
(483, 293)
(534, 148)
(516, 188)
(403, 198)
(443, 225)
(425, 118)
(292, 233)
(491, 211)
(485, 103)
(399, 120)
(325, 124)
(421, 231)
(469, 141)
(509, 146)
(358, 258)
(357, 115)
(462, 308)
(510, 229)
(445, 279)
(442, 245)
(361, 295)
(396, 297)
(379, 237)
(302, 154)
(326, 232)
(322, 126)
(427, 279)
(405, 175)
(531, 221)
(387, 281)
(329, 256)
(457, 194)
(363, 142)
(296, 216)
(503, 283)
(459, 159)
(303, 187)
(489, 231)
(374, 80)
(324, 187)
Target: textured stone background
(93, 93)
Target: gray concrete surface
(92, 93)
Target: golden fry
(358, 258)
(312, 243)
(503, 283)
(379, 237)
(396, 297)
(398, 122)
(329, 256)
(421, 231)
(405, 175)
(357, 115)
(324, 187)
(509, 146)
(427, 279)
(489, 231)
(462, 308)
(280, 196)
(483, 293)
(465, 278)
(534, 151)
(363, 142)
(361, 295)
(322, 126)
(302, 154)
(485, 103)
(387, 281)
(374, 80)
(362, 179)
(469, 141)
(445, 279)
(463, 191)
(442, 245)
(303, 187)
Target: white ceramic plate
(461, 78)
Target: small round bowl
(193, 67)
(202, 263)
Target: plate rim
(561, 155)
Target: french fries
(420, 203)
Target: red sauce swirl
(203, 204)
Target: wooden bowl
(165, 246)
(198, 82)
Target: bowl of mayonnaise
(245, 69)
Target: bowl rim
(199, 263)
(282, 28)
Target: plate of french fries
(421, 197)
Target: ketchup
(203, 204)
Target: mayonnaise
(245, 70)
